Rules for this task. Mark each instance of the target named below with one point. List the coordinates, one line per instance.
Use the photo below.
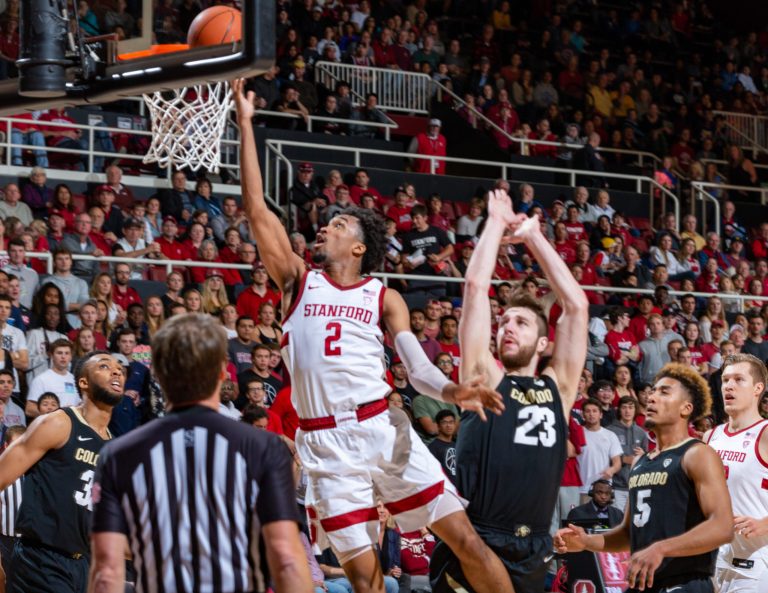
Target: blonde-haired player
(742, 443)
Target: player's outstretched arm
(475, 325)
(704, 467)
(570, 351)
(107, 574)
(472, 395)
(47, 432)
(282, 264)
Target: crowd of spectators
(550, 75)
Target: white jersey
(746, 473)
(333, 345)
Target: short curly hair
(693, 383)
(374, 235)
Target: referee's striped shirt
(190, 491)
(10, 501)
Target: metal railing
(702, 195)
(641, 155)
(744, 127)
(385, 277)
(311, 121)
(90, 131)
(396, 90)
(274, 150)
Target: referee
(194, 495)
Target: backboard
(106, 77)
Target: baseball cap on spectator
(400, 189)
(306, 167)
(435, 122)
(170, 218)
(396, 360)
(299, 63)
(667, 313)
(485, 60)
(318, 9)
(736, 326)
(558, 203)
(608, 242)
(467, 245)
(210, 272)
(105, 187)
(132, 222)
(55, 212)
(717, 323)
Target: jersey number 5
(540, 419)
(644, 509)
(334, 335)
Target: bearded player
(57, 456)
(354, 449)
(742, 443)
(527, 443)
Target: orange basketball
(216, 25)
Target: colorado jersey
(747, 475)
(333, 345)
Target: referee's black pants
(37, 569)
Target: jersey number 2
(334, 335)
(541, 419)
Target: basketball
(215, 26)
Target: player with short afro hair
(693, 383)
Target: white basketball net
(187, 126)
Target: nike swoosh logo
(312, 287)
(670, 589)
(84, 438)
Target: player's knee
(469, 545)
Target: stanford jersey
(747, 475)
(333, 345)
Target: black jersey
(510, 467)
(56, 495)
(663, 504)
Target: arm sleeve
(422, 374)
(107, 511)
(616, 448)
(35, 390)
(277, 495)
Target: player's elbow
(474, 286)
(722, 531)
(577, 304)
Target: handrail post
(91, 145)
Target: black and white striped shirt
(190, 491)
(10, 501)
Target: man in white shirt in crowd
(601, 458)
(56, 379)
(17, 265)
(11, 205)
(13, 414)
(75, 289)
(14, 340)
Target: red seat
(157, 273)
(460, 208)
(640, 223)
(80, 202)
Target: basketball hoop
(188, 125)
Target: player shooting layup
(742, 443)
(352, 446)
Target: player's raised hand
(642, 566)
(500, 207)
(570, 539)
(244, 101)
(475, 396)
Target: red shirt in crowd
(283, 408)
(248, 302)
(124, 299)
(99, 341)
(619, 343)
(578, 440)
